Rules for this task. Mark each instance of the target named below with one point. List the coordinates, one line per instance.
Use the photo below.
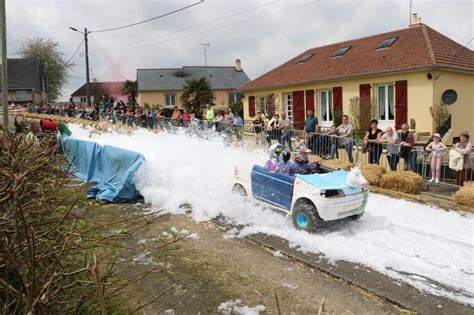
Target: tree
(130, 88)
(52, 60)
(196, 94)
(440, 113)
(361, 112)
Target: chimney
(415, 20)
(238, 66)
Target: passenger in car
(285, 163)
(301, 164)
(274, 152)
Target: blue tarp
(111, 169)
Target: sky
(262, 34)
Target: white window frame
(234, 97)
(172, 97)
(288, 105)
(385, 123)
(328, 106)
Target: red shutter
(337, 98)
(298, 109)
(401, 103)
(251, 106)
(310, 100)
(364, 92)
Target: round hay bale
(373, 173)
(338, 165)
(403, 181)
(465, 195)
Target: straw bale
(402, 181)
(465, 195)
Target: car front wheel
(305, 217)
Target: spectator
(393, 148)
(311, 127)
(186, 119)
(407, 153)
(436, 147)
(238, 125)
(176, 116)
(345, 131)
(228, 122)
(332, 141)
(258, 127)
(219, 121)
(272, 132)
(371, 145)
(210, 116)
(34, 132)
(286, 127)
(464, 147)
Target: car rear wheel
(239, 189)
(305, 217)
(357, 216)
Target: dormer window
(305, 58)
(341, 51)
(387, 42)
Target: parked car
(310, 199)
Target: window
(341, 51)
(171, 100)
(288, 105)
(235, 98)
(305, 58)
(387, 42)
(21, 96)
(385, 102)
(83, 99)
(325, 107)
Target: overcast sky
(263, 34)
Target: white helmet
(275, 150)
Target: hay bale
(373, 173)
(465, 195)
(403, 181)
(315, 159)
(338, 165)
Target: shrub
(465, 195)
(402, 181)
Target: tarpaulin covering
(111, 169)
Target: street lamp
(87, 62)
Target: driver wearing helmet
(274, 153)
(301, 164)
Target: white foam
(426, 247)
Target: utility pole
(88, 94)
(88, 91)
(4, 66)
(205, 45)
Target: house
(26, 81)
(164, 86)
(96, 89)
(405, 72)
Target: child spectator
(436, 147)
(332, 141)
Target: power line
(213, 29)
(191, 26)
(74, 54)
(148, 20)
(110, 61)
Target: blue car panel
(271, 187)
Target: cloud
(279, 31)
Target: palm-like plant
(129, 88)
(196, 94)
